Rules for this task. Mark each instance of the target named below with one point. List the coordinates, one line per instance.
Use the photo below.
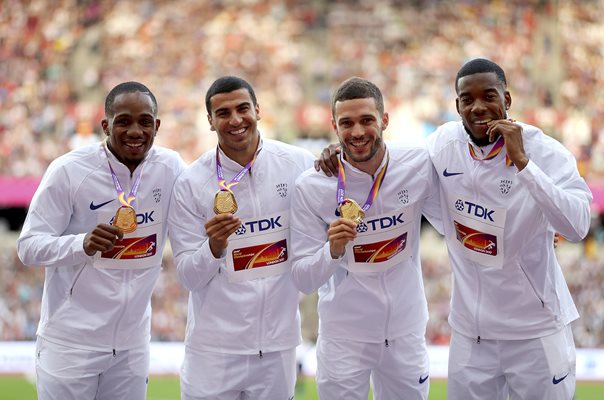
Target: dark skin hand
(328, 162)
(102, 238)
(512, 133)
(219, 229)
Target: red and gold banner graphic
(379, 251)
(475, 240)
(263, 255)
(133, 248)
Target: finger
(324, 162)
(108, 231)
(222, 230)
(101, 244)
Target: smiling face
(131, 128)
(234, 117)
(359, 127)
(481, 98)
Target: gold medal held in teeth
(125, 219)
(224, 202)
(351, 210)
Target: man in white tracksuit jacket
(243, 322)
(94, 331)
(372, 306)
(506, 188)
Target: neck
(242, 157)
(131, 165)
(370, 166)
(478, 142)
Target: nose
(357, 130)
(135, 130)
(478, 107)
(235, 119)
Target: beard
(377, 145)
(478, 142)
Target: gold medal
(224, 202)
(351, 210)
(125, 219)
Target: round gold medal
(224, 202)
(351, 210)
(125, 219)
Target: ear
(457, 105)
(257, 108)
(508, 100)
(157, 124)
(210, 122)
(333, 125)
(385, 120)
(105, 126)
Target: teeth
(238, 132)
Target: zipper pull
(114, 353)
(386, 343)
(478, 340)
(260, 354)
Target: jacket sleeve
(43, 241)
(312, 263)
(431, 208)
(562, 194)
(195, 263)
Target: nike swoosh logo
(446, 173)
(422, 380)
(97, 206)
(557, 381)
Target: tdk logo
(141, 219)
(259, 225)
(475, 209)
(386, 222)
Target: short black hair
(127, 87)
(480, 65)
(227, 84)
(357, 88)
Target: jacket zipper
(77, 277)
(261, 280)
(474, 177)
(387, 323)
(532, 286)
(126, 298)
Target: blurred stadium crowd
(59, 58)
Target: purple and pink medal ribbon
(118, 187)
(493, 153)
(341, 191)
(220, 174)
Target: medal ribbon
(341, 192)
(118, 187)
(493, 153)
(220, 174)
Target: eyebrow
(237, 106)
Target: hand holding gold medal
(224, 202)
(352, 211)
